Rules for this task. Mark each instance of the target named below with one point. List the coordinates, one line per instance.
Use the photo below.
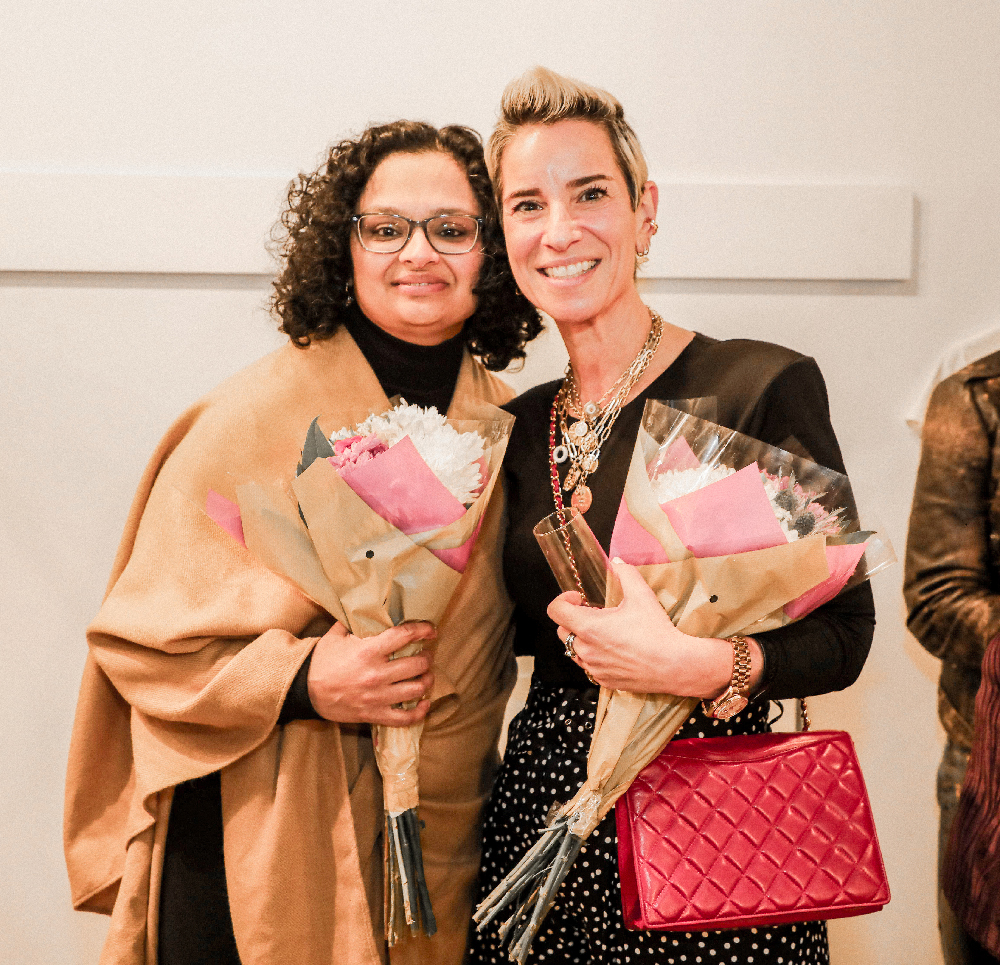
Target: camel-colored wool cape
(190, 659)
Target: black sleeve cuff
(822, 652)
(765, 666)
(297, 705)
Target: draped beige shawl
(190, 659)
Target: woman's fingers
(395, 638)
(411, 688)
(355, 680)
(399, 717)
(637, 597)
(405, 668)
(630, 646)
(568, 614)
(388, 641)
(389, 707)
(633, 585)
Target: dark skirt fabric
(545, 763)
(195, 925)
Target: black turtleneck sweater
(195, 923)
(422, 374)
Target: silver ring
(570, 650)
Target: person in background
(952, 592)
(222, 802)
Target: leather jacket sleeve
(950, 580)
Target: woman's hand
(634, 646)
(352, 680)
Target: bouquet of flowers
(734, 536)
(377, 528)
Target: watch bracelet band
(741, 663)
(740, 681)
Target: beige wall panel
(136, 223)
(816, 232)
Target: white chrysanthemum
(451, 455)
(679, 482)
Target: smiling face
(571, 232)
(417, 294)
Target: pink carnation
(341, 444)
(356, 451)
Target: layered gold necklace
(583, 435)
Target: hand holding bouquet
(377, 527)
(733, 536)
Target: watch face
(730, 706)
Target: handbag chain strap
(804, 713)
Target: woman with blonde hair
(579, 215)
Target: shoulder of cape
(244, 421)
(271, 402)
(489, 386)
(287, 380)
(261, 382)
(231, 400)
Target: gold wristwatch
(734, 698)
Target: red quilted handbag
(733, 832)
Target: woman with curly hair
(223, 803)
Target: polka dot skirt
(545, 763)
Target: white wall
(94, 366)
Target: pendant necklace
(582, 437)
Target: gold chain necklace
(582, 440)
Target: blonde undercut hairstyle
(541, 96)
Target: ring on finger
(570, 649)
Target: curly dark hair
(310, 295)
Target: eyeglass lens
(450, 234)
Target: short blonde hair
(541, 96)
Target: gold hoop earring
(644, 252)
(654, 226)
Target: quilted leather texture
(732, 832)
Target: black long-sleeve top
(762, 390)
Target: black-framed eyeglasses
(449, 234)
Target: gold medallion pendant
(585, 426)
(582, 498)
